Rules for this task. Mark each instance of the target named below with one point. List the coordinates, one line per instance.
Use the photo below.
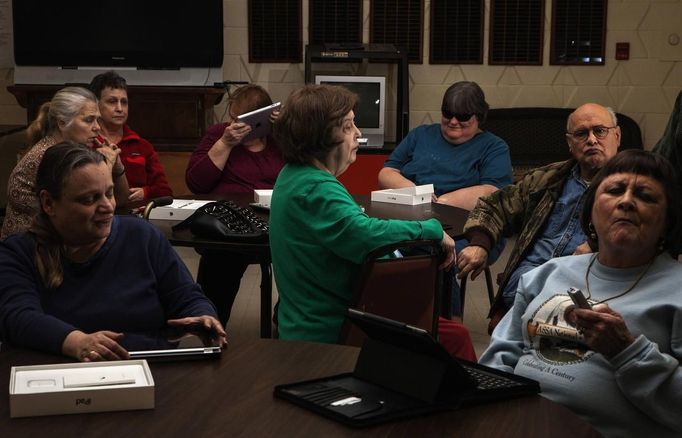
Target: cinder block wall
(643, 87)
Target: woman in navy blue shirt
(81, 276)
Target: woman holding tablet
(223, 164)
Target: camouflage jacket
(521, 209)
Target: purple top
(243, 172)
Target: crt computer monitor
(371, 107)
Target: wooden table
(452, 218)
(233, 397)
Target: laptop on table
(401, 372)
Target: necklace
(587, 280)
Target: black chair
(489, 285)
(536, 136)
(406, 289)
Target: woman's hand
(273, 116)
(202, 323)
(102, 345)
(603, 328)
(448, 246)
(471, 259)
(111, 152)
(136, 194)
(583, 248)
(234, 133)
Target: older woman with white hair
(71, 115)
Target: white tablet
(259, 120)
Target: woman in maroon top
(220, 165)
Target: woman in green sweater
(319, 235)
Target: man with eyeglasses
(542, 208)
(462, 161)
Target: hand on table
(102, 345)
(203, 323)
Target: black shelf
(378, 52)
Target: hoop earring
(593, 234)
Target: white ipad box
(407, 195)
(262, 197)
(80, 388)
(179, 210)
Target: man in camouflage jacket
(525, 207)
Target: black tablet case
(401, 372)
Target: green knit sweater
(319, 237)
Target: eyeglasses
(462, 117)
(598, 131)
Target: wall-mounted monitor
(371, 108)
(143, 34)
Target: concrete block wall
(643, 87)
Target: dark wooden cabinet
(171, 118)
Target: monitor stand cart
(380, 52)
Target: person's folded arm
(390, 178)
(466, 197)
(500, 209)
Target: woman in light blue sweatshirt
(616, 364)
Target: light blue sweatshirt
(638, 392)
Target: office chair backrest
(405, 289)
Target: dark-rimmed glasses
(598, 131)
(461, 117)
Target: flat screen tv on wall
(146, 34)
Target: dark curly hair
(109, 79)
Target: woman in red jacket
(144, 171)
